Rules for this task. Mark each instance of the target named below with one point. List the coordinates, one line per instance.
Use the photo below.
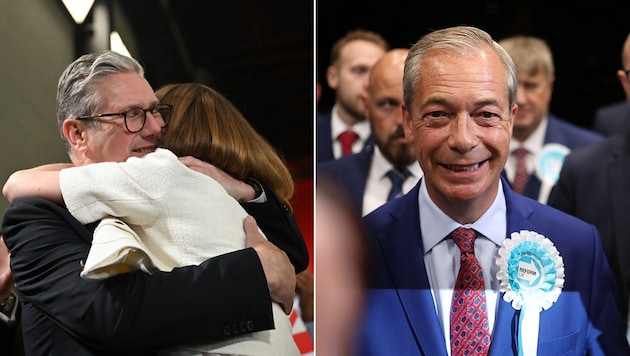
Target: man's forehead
(121, 91)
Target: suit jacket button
(250, 325)
(227, 330)
(235, 329)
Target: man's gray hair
(459, 39)
(77, 90)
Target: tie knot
(520, 152)
(347, 138)
(464, 239)
(397, 178)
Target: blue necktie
(397, 179)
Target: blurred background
(585, 38)
(265, 54)
(258, 53)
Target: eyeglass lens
(135, 118)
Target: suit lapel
(404, 254)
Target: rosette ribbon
(531, 275)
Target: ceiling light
(117, 45)
(78, 9)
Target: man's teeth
(464, 168)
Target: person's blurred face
(341, 273)
(622, 74)
(110, 141)
(348, 77)
(384, 109)
(534, 96)
(461, 125)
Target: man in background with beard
(388, 168)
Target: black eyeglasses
(627, 71)
(136, 117)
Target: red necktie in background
(522, 176)
(347, 138)
(470, 332)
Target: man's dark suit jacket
(324, 140)
(594, 185)
(612, 119)
(564, 133)
(134, 313)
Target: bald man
(368, 176)
(615, 118)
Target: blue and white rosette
(531, 274)
(548, 165)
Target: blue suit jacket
(612, 119)
(350, 173)
(323, 138)
(400, 316)
(564, 133)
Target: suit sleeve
(221, 297)
(278, 223)
(606, 333)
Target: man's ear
(332, 77)
(75, 133)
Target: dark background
(585, 38)
(258, 53)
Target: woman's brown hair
(207, 126)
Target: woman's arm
(41, 182)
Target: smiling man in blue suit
(542, 285)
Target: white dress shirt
(378, 184)
(338, 126)
(441, 255)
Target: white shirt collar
(436, 225)
(535, 141)
(338, 126)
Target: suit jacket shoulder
(569, 134)
(350, 173)
(323, 138)
(612, 119)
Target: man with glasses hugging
(134, 313)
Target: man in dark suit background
(545, 138)
(367, 176)
(351, 59)
(615, 118)
(594, 186)
(460, 92)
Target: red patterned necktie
(470, 332)
(522, 176)
(347, 138)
